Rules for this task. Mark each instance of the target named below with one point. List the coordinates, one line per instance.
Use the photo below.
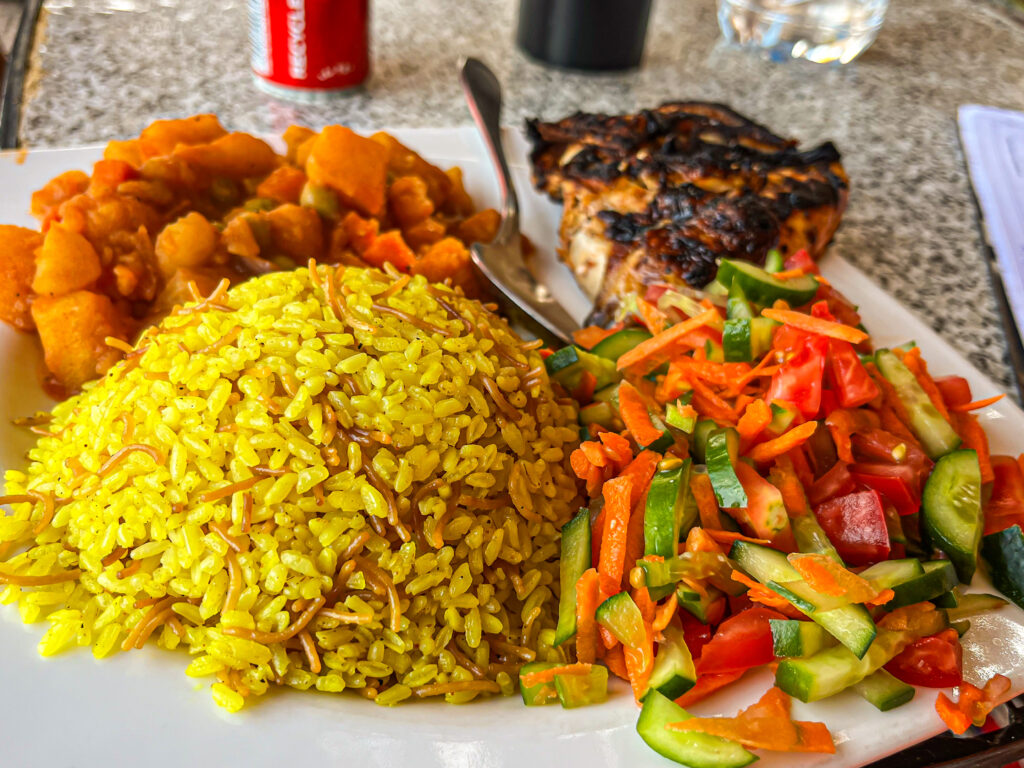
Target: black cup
(584, 34)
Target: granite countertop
(103, 69)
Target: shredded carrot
(755, 418)
(766, 451)
(548, 675)
(640, 471)
(913, 360)
(974, 437)
(783, 476)
(652, 317)
(707, 504)
(635, 415)
(663, 616)
(592, 335)
(758, 593)
(650, 354)
(640, 663)
(951, 714)
(825, 575)
(765, 725)
(711, 405)
(816, 325)
(586, 623)
(975, 405)
(635, 543)
(615, 660)
(728, 537)
(613, 538)
(617, 446)
(789, 274)
(698, 540)
(763, 368)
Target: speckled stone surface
(108, 67)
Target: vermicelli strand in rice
(341, 480)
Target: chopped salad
(767, 489)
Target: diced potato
(72, 329)
(162, 136)
(408, 201)
(236, 155)
(56, 191)
(480, 227)
(127, 151)
(459, 203)
(402, 161)
(104, 218)
(359, 232)
(284, 184)
(238, 238)
(188, 242)
(176, 291)
(294, 137)
(424, 234)
(66, 262)
(353, 166)
(296, 232)
(389, 247)
(448, 258)
(17, 266)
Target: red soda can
(309, 50)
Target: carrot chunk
(764, 452)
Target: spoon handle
(483, 93)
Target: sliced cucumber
(811, 537)
(566, 366)
(697, 750)
(946, 600)
(774, 261)
(889, 573)
(574, 560)
(599, 413)
(951, 516)
(1004, 552)
(762, 333)
(938, 577)
(720, 453)
(582, 690)
(849, 623)
(738, 307)
(673, 673)
(968, 605)
(828, 672)
(542, 693)
(884, 691)
(674, 418)
(736, 341)
(796, 639)
(696, 603)
(615, 346)
(761, 288)
(783, 416)
(698, 445)
(620, 616)
(663, 515)
(931, 428)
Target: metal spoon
(501, 261)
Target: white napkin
(993, 142)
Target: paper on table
(993, 142)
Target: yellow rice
(216, 486)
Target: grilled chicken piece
(662, 194)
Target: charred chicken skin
(660, 195)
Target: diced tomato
(655, 292)
(829, 402)
(788, 339)
(842, 308)
(881, 447)
(855, 524)
(932, 662)
(1005, 506)
(705, 685)
(799, 379)
(848, 376)
(954, 390)
(836, 482)
(801, 260)
(898, 483)
(696, 633)
(741, 642)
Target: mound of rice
(352, 481)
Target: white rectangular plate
(74, 710)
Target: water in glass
(817, 30)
